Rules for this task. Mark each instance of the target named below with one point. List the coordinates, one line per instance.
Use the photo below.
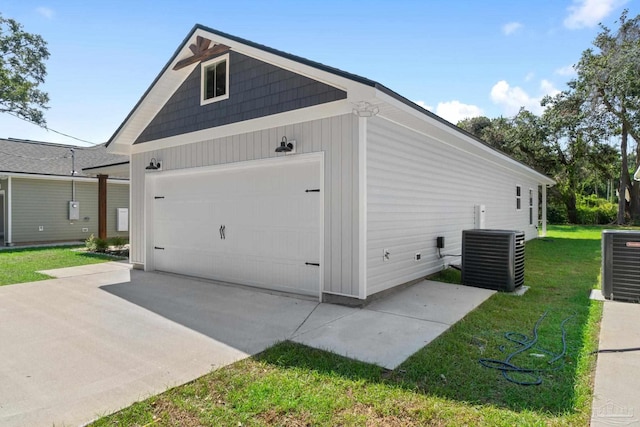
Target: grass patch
(442, 384)
(21, 265)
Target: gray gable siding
(256, 89)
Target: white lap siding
(419, 188)
(336, 137)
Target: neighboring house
(370, 182)
(37, 187)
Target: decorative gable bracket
(201, 52)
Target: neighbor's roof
(45, 158)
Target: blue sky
(457, 58)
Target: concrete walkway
(617, 383)
(101, 337)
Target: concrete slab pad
(322, 315)
(374, 337)
(519, 291)
(245, 319)
(616, 391)
(82, 270)
(596, 294)
(434, 301)
(82, 346)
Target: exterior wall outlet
(41, 228)
(85, 230)
(386, 255)
(418, 256)
(440, 242)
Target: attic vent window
(215, 80)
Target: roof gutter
(58, 177)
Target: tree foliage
(22, 71)
(569, 141)
(609, 77)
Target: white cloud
(425, 106)
(588, 13)
(567, 70)
(547, 88)
(511, 28)
(530, 75)
(454, 111)
(512, 98)
(45, 12)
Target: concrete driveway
(101, 337)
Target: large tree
(609, 77)
(574, 136)
(22, 71)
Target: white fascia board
(149, 107)
(297, 67)
(316, 112)
(61, 178)
(471, 145)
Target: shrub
(593, 210)
(90, 243)
(118, 242)
(557, 214)
(96, 244)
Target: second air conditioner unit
(621, 265)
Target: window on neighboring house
(518, 197)
(530, 206)
(215, 80)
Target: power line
(52, 130)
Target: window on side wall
(530, 206)
(518, 197)
(215, 80)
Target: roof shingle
(45, 158)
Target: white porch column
(8, 232)
(544, 210)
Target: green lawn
(21, 265)
(442, 384)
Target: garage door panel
(272, 226)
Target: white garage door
(257, 226)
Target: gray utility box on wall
(74, 211)
(493, 259)
(621, 265)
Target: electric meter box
(74, 211)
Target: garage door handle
(312, 263)
(315, 190)
(222, 235)
(158, 247)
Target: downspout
(362, 206)
(364, 110)
(9, 196)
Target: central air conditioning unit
(493, 259)
(621, 265)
